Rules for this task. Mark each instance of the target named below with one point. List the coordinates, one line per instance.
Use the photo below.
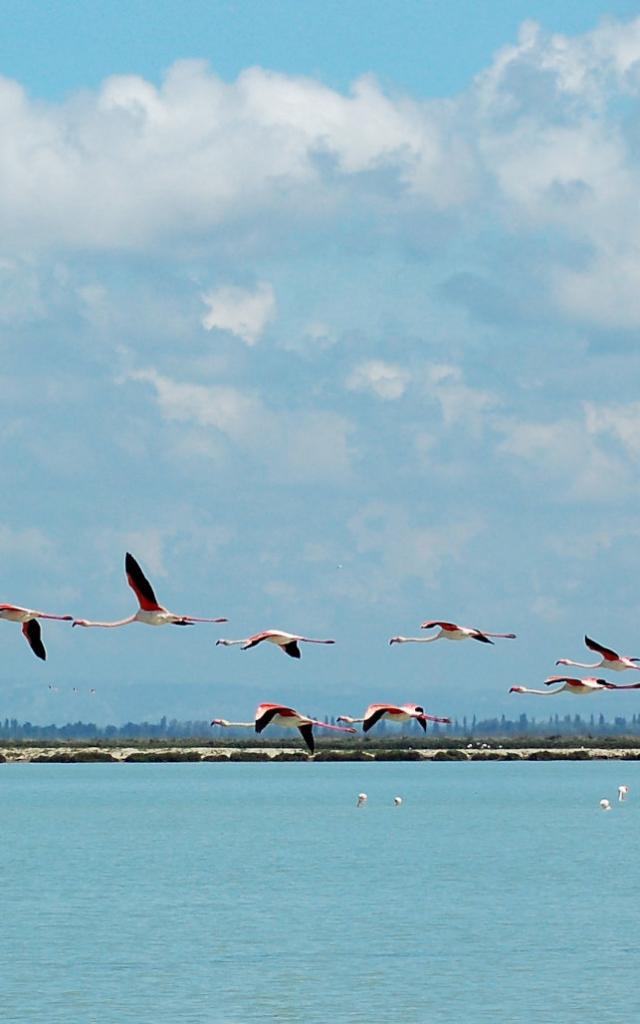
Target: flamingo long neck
(104, 625)
(542, 693)
(416, 639)
(337, 728)
(580, 664)
(350, 719)
(623, 686)
(231, 643)
(236, 725)
(433, 718)
(194, 618)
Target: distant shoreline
(84, 754)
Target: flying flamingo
(149, 612)
(287, 642)
(450, 631)
(610, 659)
(578, 687)
(278, 714)
(395, 713)
(30, 625)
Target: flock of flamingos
(151, 613)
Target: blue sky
(333, 324)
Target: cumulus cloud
(540, 141)
(385, 380)
(242, 312)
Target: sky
(332, 321)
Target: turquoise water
(216, 894)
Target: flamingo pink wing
(606, 652)
(140, 585)
(32, 633)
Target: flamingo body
(610, 659)
(394, 713)
(150, 612)
(287, 642)
(31, 630)
(285, 717)
(577, 687)
(451, 631)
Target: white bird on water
(397, 801)
(622, 793)
(362, 799)
(605, 805)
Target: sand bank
(72, 754)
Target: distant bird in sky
(450, 631)
(287, 718)
(394, 713)
(579, 687)
(30, 625)
(622, 793)
(287, 642)
(150, 612)
(610, 659)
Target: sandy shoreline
(82, 754)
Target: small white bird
(605, 805)
(622, 793)
(397, 801)
(362, 799)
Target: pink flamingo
(610, 659)
(287, 642)
(578, 687)
(395, 713)
(450, 631)
(287, 718)
(30, 625)
(149, 612)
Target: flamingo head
(562, 661)
(395, 640)
(219, 721)
(517, 689)
(79, 622)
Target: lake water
(216, 894)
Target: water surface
(224, 893)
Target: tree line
(465, 727)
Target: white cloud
(459, 403)
(400, 548)
(386, 380)
(619, 421)
(540, 142)
(565, 454)
(242, 312)
(303, 445)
